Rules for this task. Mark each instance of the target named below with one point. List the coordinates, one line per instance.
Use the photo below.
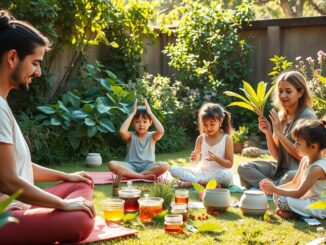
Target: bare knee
(113, 166)
(163, 166)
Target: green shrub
(40, 140)
(161, 94)
(88, 116)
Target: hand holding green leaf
(254, 101)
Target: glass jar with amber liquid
(180, 208)
(113, 210)
(173, 223)
(149, 207)
(181, 196)
(130, 195)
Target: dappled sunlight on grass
(234, 225)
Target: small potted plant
(239, 137)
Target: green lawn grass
(234, 227)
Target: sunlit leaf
(198, 187)
(211, 184)
(321, 204)
(208, 227)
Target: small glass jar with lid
(180, 208)
(130, 195)
(173, 223)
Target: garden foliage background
(86, 110)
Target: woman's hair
(312, 131)
(20, 36)
(141, 112)
(215, 112)
(299, 82)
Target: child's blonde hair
(216, 112)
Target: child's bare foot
(285, 214)
(184, 184)
(149, 176)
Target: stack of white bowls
(253, 203)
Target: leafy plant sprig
(212, 184)
(5, 217)
(254, 101)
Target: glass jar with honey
(182, 196)
(130, 195)
(113, 210)
(173, 223)
(149, 207)
(180, 208)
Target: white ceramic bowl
(219, 199)
(253, 203)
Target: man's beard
(18, 83)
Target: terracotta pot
(238, 147)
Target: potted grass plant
(253, 100)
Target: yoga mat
(102, 232)
(107, 177)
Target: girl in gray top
(293, 100)
(140, 160)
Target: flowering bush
(315, 75)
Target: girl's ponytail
(226, 124)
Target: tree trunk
(287, 9)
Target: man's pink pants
(45, 225)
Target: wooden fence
(288, 37)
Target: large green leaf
(269, 93)
(79, 114)
(55, 121)
(106, 123)
(89, 122)
(88, 108)
(249, 89)
(91, 131)
(63, 107)
(229, 93)
(5, 203)
(261, 90)
(46, 109)
(242, 104)
(71, 98)
(102, 129)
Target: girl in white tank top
(213, 150)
